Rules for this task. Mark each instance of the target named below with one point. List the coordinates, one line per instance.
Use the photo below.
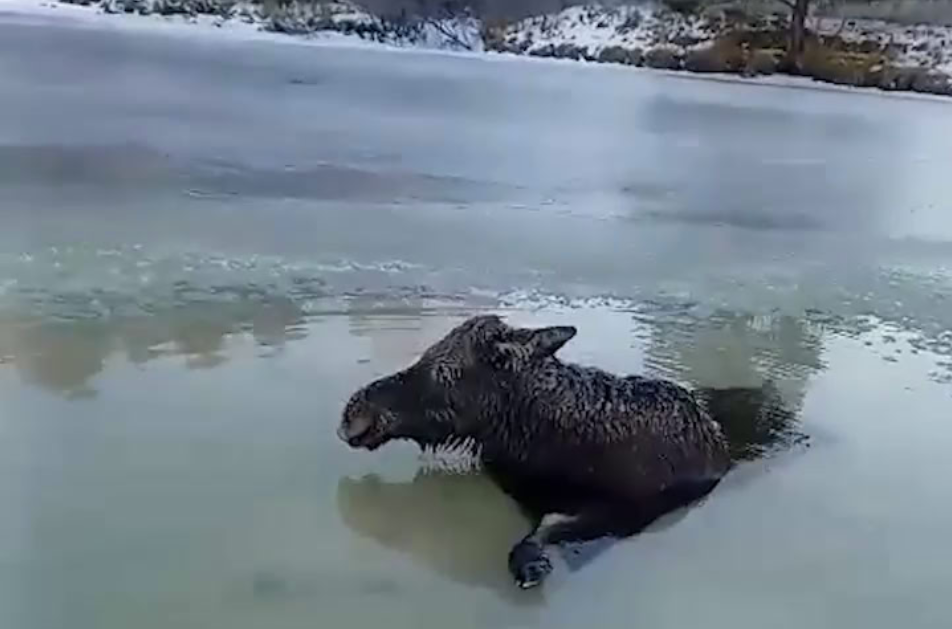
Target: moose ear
(520, 346)
(547, 341)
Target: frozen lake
(208, 243)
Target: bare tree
(440, 14)
(799, 12)
(799, 9)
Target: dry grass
(846, 68)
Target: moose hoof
(529, 564)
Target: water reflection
(398, 329)
(64, 356)
(753, 370)
(756, 420)
(458, 525)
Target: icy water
(207, 244)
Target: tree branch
(788, 3)
(444, 30)
(839, 30)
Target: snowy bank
(849, 52)
(856, 52)
(336, 23)
(308, 19)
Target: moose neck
(500, 418)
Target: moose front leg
(529, 563)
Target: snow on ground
(305, 18)
(41, 11)
(595, 28)
(926, 45)
(247, 23)
(650, 25)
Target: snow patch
(653, 25)
(334, 23)
(596, 28)
(920, 45)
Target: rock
(172, 7)
(567, 51)
(899, 79)
(705, 60)
(663, 58)
(543, 51)
(571, 51)
(619, 54)
(613, 54)
(636, 57)
(683, 40)
(516, 48)
(125, 6)
(499, 45)
(929, 82)
(562, 51)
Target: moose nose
(354, 428)
(342, 433)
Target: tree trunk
(798, 20)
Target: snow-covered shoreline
(580, 34)
(852, 52)
(42, 11)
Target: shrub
(663, 58)
(619, 54)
